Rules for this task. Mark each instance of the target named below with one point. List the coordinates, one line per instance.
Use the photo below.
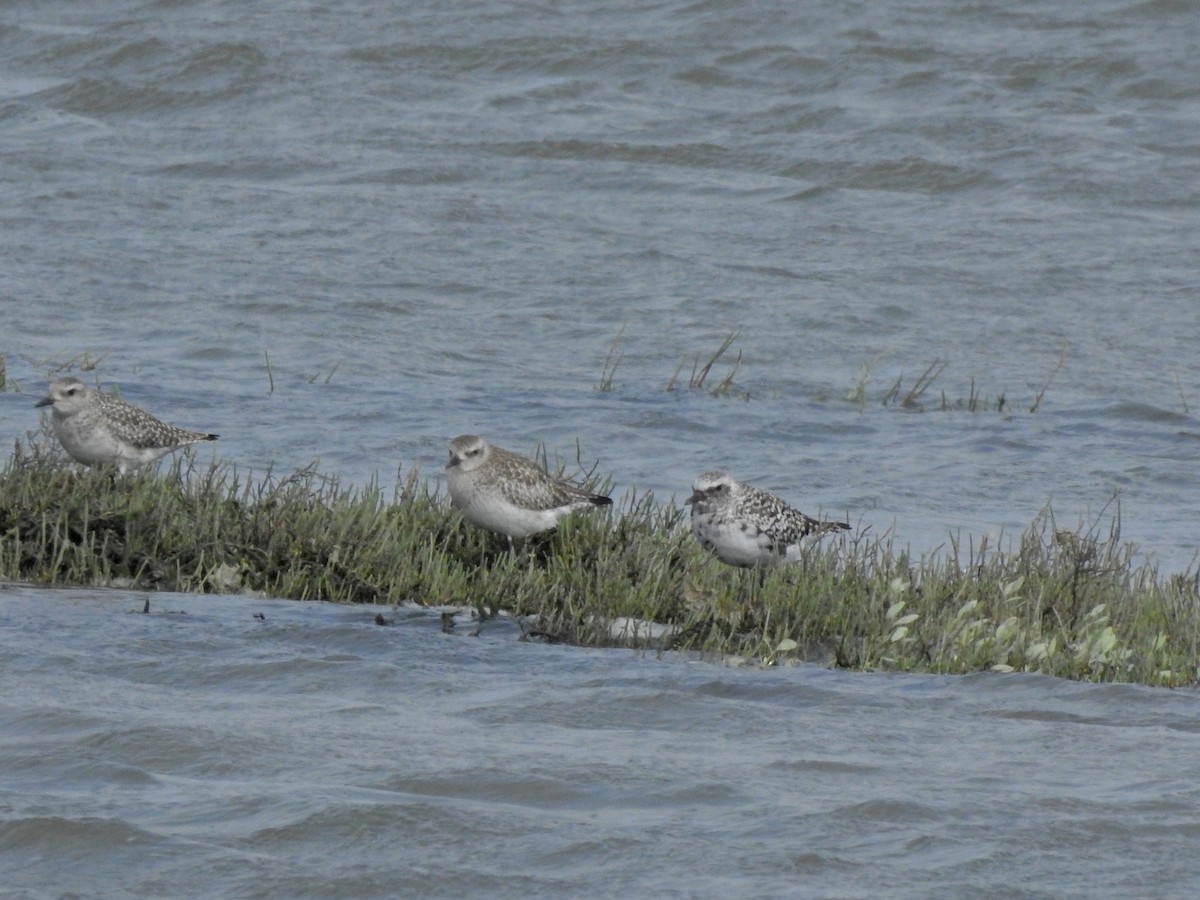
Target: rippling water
(432, 221)
(199, 749)
(349, 232)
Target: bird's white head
(67, 395)
(468, 452)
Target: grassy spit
(1058, 602)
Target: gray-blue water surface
(430, 221)
(199, 750)
(349, 232)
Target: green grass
(614, 358)
(916, 396)
(1060, 602)
(700, 370)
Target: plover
(96, 427)
(509, 494)
(746, 526)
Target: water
(349, 232)
(198, 749)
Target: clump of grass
(858, 394)
(1063, 602)
(328, 376)
(82, 362)
(1062, 361)
(700, 372)
(615, 355)
(914, 397)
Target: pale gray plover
(509, 494)
(746, 526)
(98, 428)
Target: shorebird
(98, 428)
(509, 494)
(745, 526)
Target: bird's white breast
(737, 545)
(487, 508)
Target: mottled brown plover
(509, 494)
(98, 428)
